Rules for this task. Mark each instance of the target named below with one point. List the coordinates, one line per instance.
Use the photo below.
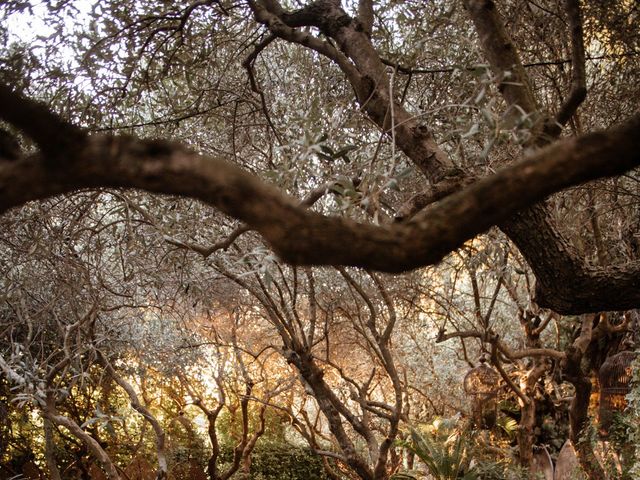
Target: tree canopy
(203, 56)
(312, 213)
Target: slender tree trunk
(579, 421)
(92, 445)
(49, 450)
(161, 472)
(526, 433)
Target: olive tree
(165, 51)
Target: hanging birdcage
(481, 384)
(615, 383)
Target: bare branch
(144, 412)
(365, 15)
(550, 316)
(278, 27)
(578, 84)
(248, 65)
(501, 346)
(495, 361)
(165, 167)
(502, 54)
(544, 63)
(92, 445)
(584, 339)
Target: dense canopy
(313, 214)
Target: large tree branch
(532, 231)
(305, 237)
(274, 22)
(36, 121)
(433, 193)
(207, 250)
(564, 281)
(367, 74)
(170, 168)
(502, 54)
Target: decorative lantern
(481, 384)
(615, 383)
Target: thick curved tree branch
(564, 281)
(367, 74)
(548, 252)
(35, 120)
(304, 237)
(447, 186)
(278, 27)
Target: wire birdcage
(481, 384)
(615, 383)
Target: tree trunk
(49, 450)
(92, 445)
(579, 421)
(526, 433)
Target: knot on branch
(421, 131)
(291, 357)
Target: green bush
(282, 461)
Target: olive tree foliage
(378, 135)
(81, 306)
(347, 336)
(428, 98)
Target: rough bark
(525, 435)
(565, 282)
(368, 76)
(555, 262)
(328, 403)
(502, 54)
(170, 168)
(579, 409)
(49, 450)
(579, 419)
